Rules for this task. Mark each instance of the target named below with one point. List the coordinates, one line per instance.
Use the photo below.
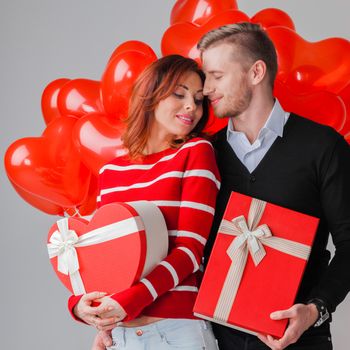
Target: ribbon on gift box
(63, 244)
(250, 238)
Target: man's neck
(254, 117)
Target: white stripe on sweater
(185, 289)
(150, 288)
(188, 234)
(203, 173)
(170, 174)
(191, 256)
(172, 271)
(113, 167)
(185, 204)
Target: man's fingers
(262, 337)
(271, 342)
(281, 314)
(278, 344)
(290, 336)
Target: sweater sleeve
(200, 184)
(335, 198)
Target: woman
(168, 164)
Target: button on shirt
(252, 154)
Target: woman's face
(179, 113)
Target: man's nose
(207, 88)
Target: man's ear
(257, 72)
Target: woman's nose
(190, 105)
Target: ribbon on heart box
(120, 244)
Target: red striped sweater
(183, 183)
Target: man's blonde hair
(249, 41)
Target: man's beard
(235, 106)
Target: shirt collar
(275, 122)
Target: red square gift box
(118, 246)
(256, 265)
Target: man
(284, 159)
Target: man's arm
(334, 179)
(335, 199)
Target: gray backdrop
(45, 40)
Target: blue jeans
(166, 335)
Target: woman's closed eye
(177, 95)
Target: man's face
(226, 84)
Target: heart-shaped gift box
(118, 246)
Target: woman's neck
(156, 143)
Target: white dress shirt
(251, 154)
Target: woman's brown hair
(155, 83)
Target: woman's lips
(186, 119)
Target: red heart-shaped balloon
(78, 97)
(88, 206)
(49, 166)
(134, 45)
(199, 11)
(118, 79)
(306, 66)
(98, 140)
(272, 17)
(345, 96)
(320, 106)
(182, 38)
(49, 99)
(37, 202)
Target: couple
(264, 152)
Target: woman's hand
(105, 316)
(112, 308)
(102, 340)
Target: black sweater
(307, 170)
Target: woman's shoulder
(200, 154)
(197, 150)
(197, 143)
(119, 161)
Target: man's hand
(301, 317)
(104, 316)
(102, 340)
